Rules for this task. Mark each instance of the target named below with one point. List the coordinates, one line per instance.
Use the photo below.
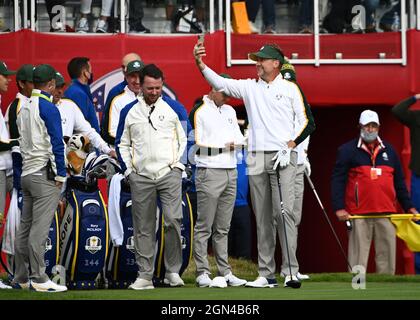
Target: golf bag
(84, 231)
(121, 266)
(52, 248)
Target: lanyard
(43, 96)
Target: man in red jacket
(368, 179)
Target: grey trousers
(6, 187)
(144, 196)
(216, 194)
(265, 197)
(40, 200)
(382, 232)
(292, 235)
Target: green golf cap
(25, 73)
(59, 80)
(134, 66)
(267, 52)
(4, 71)
(225, 75)
(43, 73)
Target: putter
(328, 220)
(295, 284)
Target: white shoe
(174, 280)
(82, 26)
(288, 278)
(102, 26)
(302, 276)
(262, 282)
(142, 284)
(48, 286)
(4, 286)
(234, 281)
(218, 282)
(203, 280)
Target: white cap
(368, 116)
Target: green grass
(323, 286)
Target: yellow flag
(408, 231)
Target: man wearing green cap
(5, 147)
(73, 121)
(217, 133)
(24, 82)
(303, 166)
(111, 115)
(278, 123)
(43, 173)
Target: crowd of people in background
(338, 16)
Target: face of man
(369, 132)
(4, 83)
(58, 94)
(219, 98)
(26, 88)
(152, 89)
(267, 69)
(133, 82)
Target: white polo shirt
(214, 127)
(276, 111)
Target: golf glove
(307, 165)
(282, 158)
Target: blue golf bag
(121, 264)
(84, 230)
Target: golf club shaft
(328, 219)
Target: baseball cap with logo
(59, 80)
(25, 73)
(43, 73)
(4, 71)
(268, 51)
(134, 66)
(288, 71)
(368, 116)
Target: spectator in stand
(136, 17)
(102, 25)
(306, 16)
(269, 15)
(390, 21)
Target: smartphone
(201, 38)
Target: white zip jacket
(151, 148)
(214, 127)
(276, 111)
(117, 104)
(73, 121)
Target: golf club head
(295, 284)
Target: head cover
(59, 80)
(76, 152)
(4, 71)
(267, 52)
(134, 66)
(368, 116)
(25, 73)
(43, 73)
(288, 71)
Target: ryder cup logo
(101, 87)
(93, 244)
(48, 244)
(385, 156)
(130, 244)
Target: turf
(322, 286)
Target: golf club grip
(349, 226)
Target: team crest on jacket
(161, 117)
(230, 120)
(385, 156)
(93, 244)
